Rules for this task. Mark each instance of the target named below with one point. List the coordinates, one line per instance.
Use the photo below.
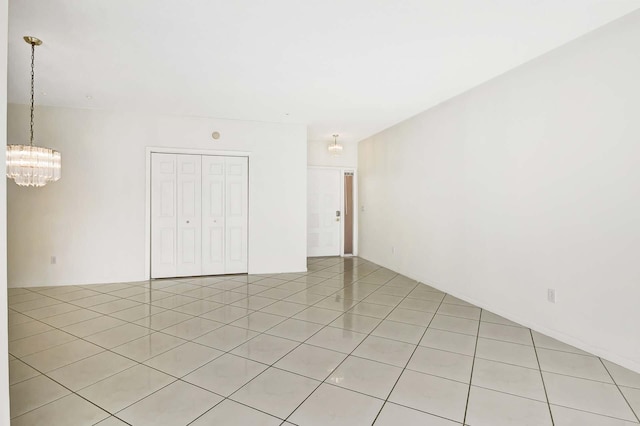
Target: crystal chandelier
(30, 165)
(335, 148)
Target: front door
(323, 212)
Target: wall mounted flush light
(30, 165)
(335, 149)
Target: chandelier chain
(33, 49)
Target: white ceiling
(354, 67)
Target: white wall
(530, 181)
(93, 219)
(318, 155)
(4, 336)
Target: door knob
(187, 221)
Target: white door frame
(355, 204)
(147, 208)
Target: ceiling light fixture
(30, 165)
(335, 149)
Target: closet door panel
(236, 199)
(213, 215)
(163, 215)
(189, 253)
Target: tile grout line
(544, 386)
(348, 355)
(473, 363)
(227, 352)
(72, 392)
(264, 332)
(637, 415)
(273, 364)
(248, 295)
(411, 356)
(137, 362)
(109, 350)
(318, 331)
(174, 308)
(133, 323)
(231, 323)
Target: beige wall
(528, 182)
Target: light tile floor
(348, 343)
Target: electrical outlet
(551, 295)
(362, 208)
(53, 260)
